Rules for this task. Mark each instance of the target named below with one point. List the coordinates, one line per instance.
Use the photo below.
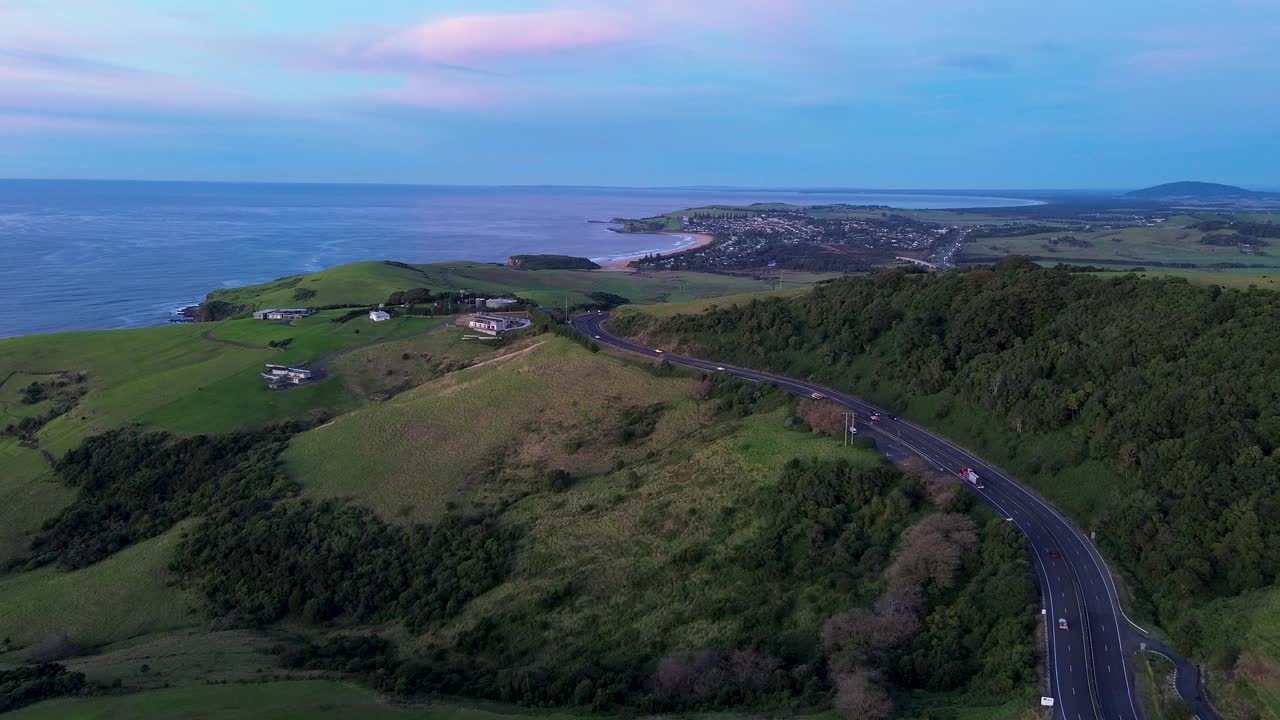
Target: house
(281, 314)
(492, 324)
(279, 376)
(379, 315)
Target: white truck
(971, 477)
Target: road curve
(1090, 672)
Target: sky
(764, 93)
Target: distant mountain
(1189, 190)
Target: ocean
(81, 255)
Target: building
(492, 303)
(379, 315)
(281, 314)
(492, 324)
(279, 376)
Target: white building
(280, 375)
(379, 315)
(492, 324)
(281, 314)
(492, 303)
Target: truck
(971, 477)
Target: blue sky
(853, 93)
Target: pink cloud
(478, 38)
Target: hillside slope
(599, 534)
(1145, 408)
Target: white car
(817, 396)
(596, 337)
(719, 369)
(657, 351)
(853, 431)
(1062, 623)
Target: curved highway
(1090, 640)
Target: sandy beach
(620, 264)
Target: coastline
(621, 264)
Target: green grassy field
(193, 655)
(126, 595)
(383, 369)
(186, 378)
(412, 455)
(1171, 242)
(28, 495)
(372, 282)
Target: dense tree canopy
(1166, 390)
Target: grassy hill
(372, 282)
(636, 505)
(523, 521)
(186, 378)
(100, 604)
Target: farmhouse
(492, 324)
(279, 376)
(379, 315)
(281, 314)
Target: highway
(945, 258)
(1090, 674)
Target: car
(817, 396)
(875, 417)
(596, 337)
(1053, 553)
(893, 418)
(657, 351)
(853, 431)
(1062, 623)
(719, 369)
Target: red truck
(971, 477)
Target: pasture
(372, 282)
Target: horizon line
(807, 189)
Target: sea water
(78, 255)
